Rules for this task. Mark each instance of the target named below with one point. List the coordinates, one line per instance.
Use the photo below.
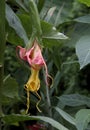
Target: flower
(33, 85)
(36, 61)
(33, 55)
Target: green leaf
(17, 117)
(51, 42)
(50, 32)
(56, 82)
(36, 25)
(57, 20)
(9, 91)
(2, 33)
(2, 44)
(50, 13)
(51, 37)
(27, 23)
(15, 23)
(86, 2)
(82, 119)
(74, 100)
(83, 50)
(19, 2)
(40, 4)
(79, 30)
(83, 19)
(65, 115)
(12, 36)
(10, 88)
(65, 13)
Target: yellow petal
(33, 83)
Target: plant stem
(2, 47)
(49, 106)
(48, 102)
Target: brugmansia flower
(36, 61)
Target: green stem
(49, 106)
(35, 19)
(2, 46)
(48, 102)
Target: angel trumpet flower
(35, 59)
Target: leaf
(36, 25)
(83, 50)
(65, 115)
(79, 30)
(74, 100)
(17, 117)
(58, 3)
(82, 119)
(40, 5)
(86, 2)
(2, 44)
(50, 13)
(19, 2)
(56, 82)
(15, 23)
(12, 36)
(51, 37)
(10, 88)
(50, 32)
(9, 91)
(57, 20)
(83, 19)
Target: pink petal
(22, 52)
(34, 56)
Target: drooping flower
(33, 55)
(36, 61)
(33, 85)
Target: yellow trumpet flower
(33, 85)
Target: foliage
(62, 28)
(85, 2)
